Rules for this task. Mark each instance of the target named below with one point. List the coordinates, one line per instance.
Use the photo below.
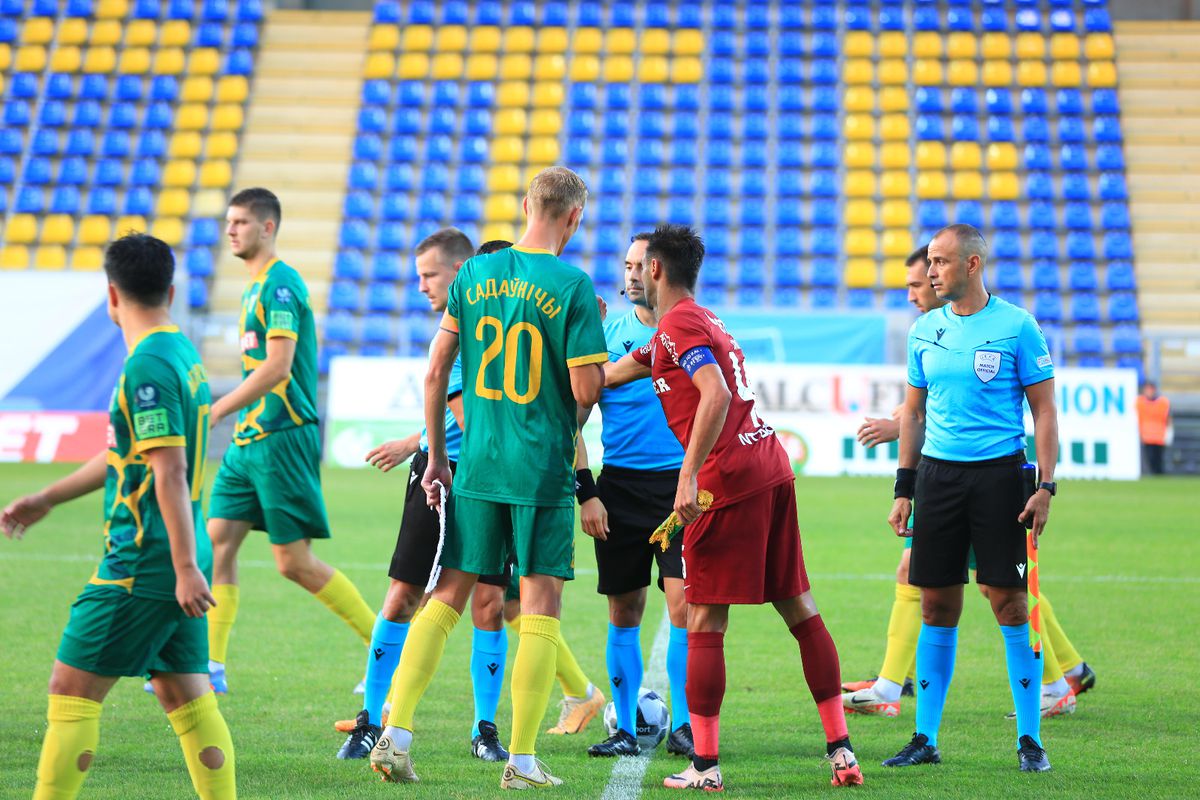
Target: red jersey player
(746, 548)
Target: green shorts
(275, 485)
(112, 632)
(513, 592)
(540, 540)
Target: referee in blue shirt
(971, 364)
(635, 492)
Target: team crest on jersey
(283, 295)
(987, 365)
(146, 396)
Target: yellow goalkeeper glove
(665, 532)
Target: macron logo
(1021, 570)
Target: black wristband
(585, 486)
(906, 483)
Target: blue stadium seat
(823, 299)
(1042, 215)
(399, 177)
(751, 297)
(368, 147)
(1077, 216)
(788, 272)
(791, 72)
(929, 128)
(445, 94)
(65, 200)
(442, 120)
(387, 267)
(205, 232)
(1107, 129)
(1119, 276)
(824, 18)
(652, 125)
(468, 208)
(722, 98)
(610, 209)
(1085, 307)
(1097, 20)
(432, 207)
(615, 152)
(363, 175)
(239, 62)
(17, 113)
(1114, 216)
(790, 183)
(825, 273)
(45, 143)
(1087, 342)
(687, 97)
(355, 234)
(999, 101)
(1112, 186)
(583, 95)
(789, 242)
(719, 151)
(8, 174)
(1033, 101)
(163, 88)
(395, 206)
(824, 71)
(1000, 129)
(1028, 19)
(1043, 246)
(824, 183)
(1036, 129)
(929, 100)
(969, 212)
(404, 149)
(1037, 157)
(891, 18)
(58, 86)
(392, 236)
(1039, 186)
(717, 241)
(826, 98)
(340, 326)
(147, 9)
(1004, 215)
(1070, 102)
(823, 154)
(30, 200)
(376, 92)
(860, 299)
(756, 128)
(722, 70)
(1123, 307)
(610, 240)
(824, 127)
(372, 119)
(1105, 102)
(964, 100)
(406, 122)
(24, 86)
(139, 201)
(1126, 339)
(378, 329)
(1009, 277)
(349, 265)
(197, 294)
(960, 19)
(718, 182)
(926, 18)
(752, 242)
(1062, 20)
(245, 34)
(1075, 186)
(1005, 245)
(1110, 158)
(579, 151)
(579, 123)
(653, 96)
(824, 212)
(1117, 246)
(932, 214)
(612, 180)
(1082, 277)
(681, 181)
(215, 11)
(199, 262)
(756, 98)
(1080, 246)
(1047, 307)
(1070, 129)
(210, 34)
(789, 211)
(37, 171)
(411, 94)
(159, 115)
(824, 242)
(102, 200)
(1073, 157)
(617, 95)
(181, 9)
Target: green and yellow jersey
(161, 400)
(276, 304)
(524, 318)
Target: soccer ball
(653, 719)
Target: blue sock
(936, 648)
(677, 676)
(489, 651)
(624, 658)
(387, 641)
(1025, 680)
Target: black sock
(701, 763)
(830, 747)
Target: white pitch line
(625, 783)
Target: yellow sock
(514, 624)
(207, 747)
(532, 678)
(1065, 654)
(342, 598)
(72, 735)
(903, 629)
(221, 618)
(574, 683)
(422, 653)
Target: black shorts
(637, 502)
(416, 543)
(964, 505)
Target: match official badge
(987, 364)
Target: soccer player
(635, 492)
(531, 341)
(746, 548)
(970, 365)
(143, 610)
(270, 478)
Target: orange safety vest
(1152, 419)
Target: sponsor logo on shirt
(1044, 361)
(661, 386)
(669, 346)
(145, 396)
(281, 320)
(987, 365)
(249, 341)
(753, 437)
(283, 295)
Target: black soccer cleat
(918, 751)
(680, 743)
(1083, 682)
(620, 743)
(908, 690)
(487, 745)
(1031, 757)
(360, 741)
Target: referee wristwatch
(1049, 486)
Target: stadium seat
(1114, 216)
(1112, 186)
(1006, 245)
(1080, 246)
(1117, 246)
(1085, 307)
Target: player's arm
(706, 429)
(437, 381)
(27, 510)
(593, 516)
(586, 382)
(880, 430)
(1045, 438)
(912, 439)
(625, 370)
(174, 497)
(281, 350)
(389, 455)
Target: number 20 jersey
(747, 457)
(524, 317)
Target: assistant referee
(971, 364)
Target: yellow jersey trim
(262, 273)
(143, 445)
(283, 333)
(124, 583)
(534, 250)
(580, 361)
(151, 332)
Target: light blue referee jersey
(975, 369)
(635, 433)
(453, 432)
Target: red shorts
(746, 553)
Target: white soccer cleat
(392, 764)
(1053, 706)
(708, 780)
(514, 778)
(868, 701)
(577, 712)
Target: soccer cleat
(577, 712)
(691, 778)
(347, 725)
(1081, 683)
(918, 751)
(216, 677)
(360, 741)
(514, 778)
(846, 771)
(1031, 757)
(1052, 706)
(361, 688)
(487, 744)
(909, 689)
(620, 743)
(148, 688)
(857, 686)
(867, 701)
(392, 765)
(680, 742)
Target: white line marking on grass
(625, 783)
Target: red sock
(824, 676)
(706, 689)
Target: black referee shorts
(637, 502)
(960, 505)
(416, 543)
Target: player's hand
(898, 519)
(435, 473)
(192, 593)
(687, 505)
(391, 454)
(603, 306)
(23, 512)
(1037, 508)
(593, 517)
(878, 431)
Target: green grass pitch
(1119, 561)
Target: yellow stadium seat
(232, 89)
(221, 145)
(859, 98)
(87, 258)
(74, 31)
(962, 44)
(585, 69)
(1101, 74)
(896, 213)
(168, 229)
(892, 44)
(531, 171)
(516, 67)
(112, 9)
(1031, 45)
(58, 229)
(130, 222)
(412, 66)
(228, 117)
(177, 173)
(896, 242)
(859, 126)
(22, 229)
(963, 72)
(139, 33)
(588, 40)
(66, 58)
(860, 183)
(384, 37)
(543, 149)
(196, 89)
(552, 40)
(501, 208)
(450, 39)
(861, 273)
(655, 42)
(482, 67)
(416, 38)
(965, 155)
(216, 174)
(1031, 73)
(175, 33)
(447, 67)
(620, 41)
(5, 61)
(191, 117)
(548, 95)
(928, 72)
(689, 42)
(1001, 156)
(654, 69)
(173, 202)
(893, 127)
(858, 44)
(931, 185)
(895, 183)
(518, 39)
(210, 203)
(967, 186)
(106, 33)
(1064, 47)
(893, 98)
(507, 149)
(31, 58)
(996, 45)
(513, 94)
(37, 30)
(1003, 186)
(686, 70)
(167, 61)
(931, 155)
(857, 70)
(895, 155)
(504, 231)
(893, 72)
(618, 69)
(134, 61)
(860, 213)
(859, 154)
(14, 256)
(503, 178)
(204, 61)
(1066, 74)
(550, 67)
(997, 72)
(510, 122)
(50, 256)
(546, 122)
(485, 39)
(927, 44)
(1099, 47)
(95, 229)
(379, 66)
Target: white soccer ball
(653, 719)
